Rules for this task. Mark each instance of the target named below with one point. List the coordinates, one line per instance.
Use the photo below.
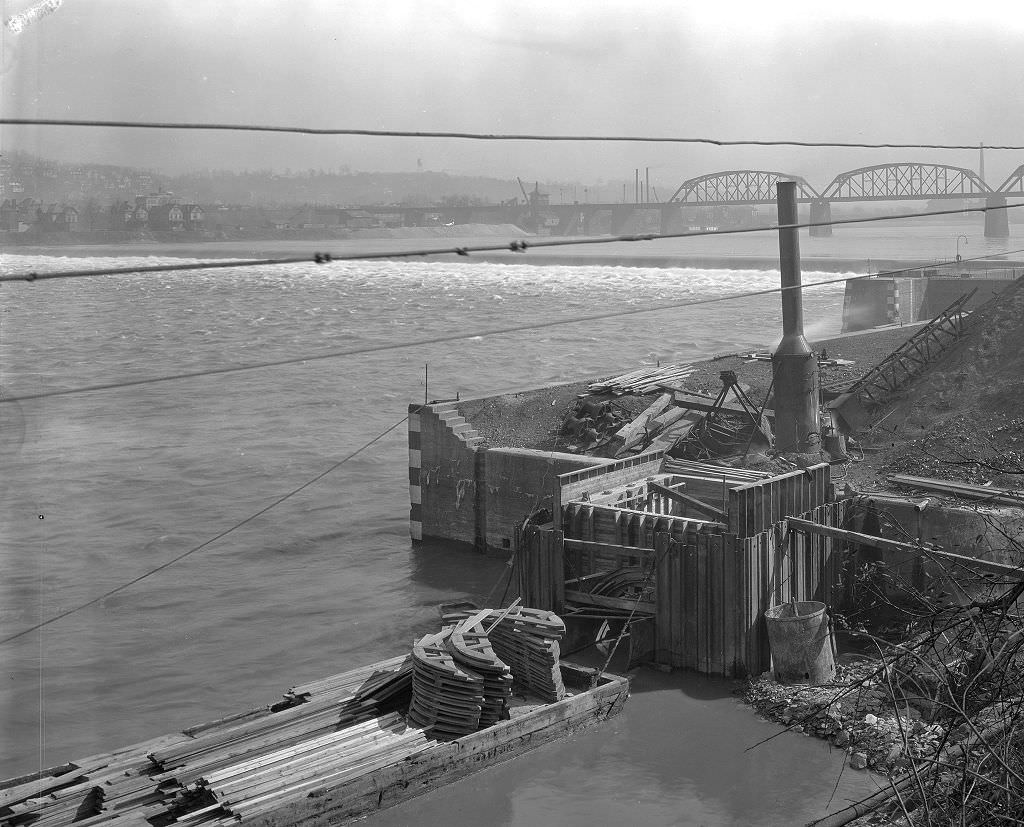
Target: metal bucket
(802, 644)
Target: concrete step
(463, 428)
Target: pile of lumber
(97, 790)
(379, 681)
(447, 699)
(645, 380)
(249, 789)
(470, 647)
(307, 712)
(527, 640)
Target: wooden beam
(634, 431)
(586, 599)
(892, 545)
(591, 545)
(693, 502)
(960, 489)
(701, 403)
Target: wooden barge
(329, 752)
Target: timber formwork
(704, 583)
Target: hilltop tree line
(23, 175)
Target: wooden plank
(586, 599)
(728, 596)
(662, 601)
(633, 432)
(764, 598)
(558, 571)
(704, 618)
(748, 549)
(678, 606)
(973, 492)
(696, 402)
(892, 545)
(718, 606)
(41, 786)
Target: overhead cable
(356, 351)
(204, 544)
(482, 136)
(518, 246)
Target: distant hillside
(23, 175)
(343, 187)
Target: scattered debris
(857, 713)
(725, 429)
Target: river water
(100, 487)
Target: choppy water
(100, 487)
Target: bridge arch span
(1014, 183)
(739, 186)
(906, 181)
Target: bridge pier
(997, 223)
(671, 218)
(620, 218)
(821, 210)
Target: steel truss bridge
(883, 182)
(744, 187)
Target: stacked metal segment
(527, 640)
(471, 647)
(447, 699)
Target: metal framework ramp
(905, 363)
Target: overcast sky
(935, 72)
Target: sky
(935, 72)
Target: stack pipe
(794, 364)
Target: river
(101, 487)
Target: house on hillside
(166, 217)
(192, 216)
(57, 218)
(153, 199)
(138, 219)
(119, 216)
(18, 216)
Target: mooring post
(794, 364)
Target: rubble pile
(864, 721)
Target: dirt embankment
(963, 418)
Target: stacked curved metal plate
(527, 640)
(470, 647)
(447, 698)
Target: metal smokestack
(794, 364)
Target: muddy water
(99, 488)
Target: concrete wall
(873, 302)
(941, 293)
(869, 303)
(986, 535)
(466, 493)
(517, 482)
(443, 475)
(911, 299)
